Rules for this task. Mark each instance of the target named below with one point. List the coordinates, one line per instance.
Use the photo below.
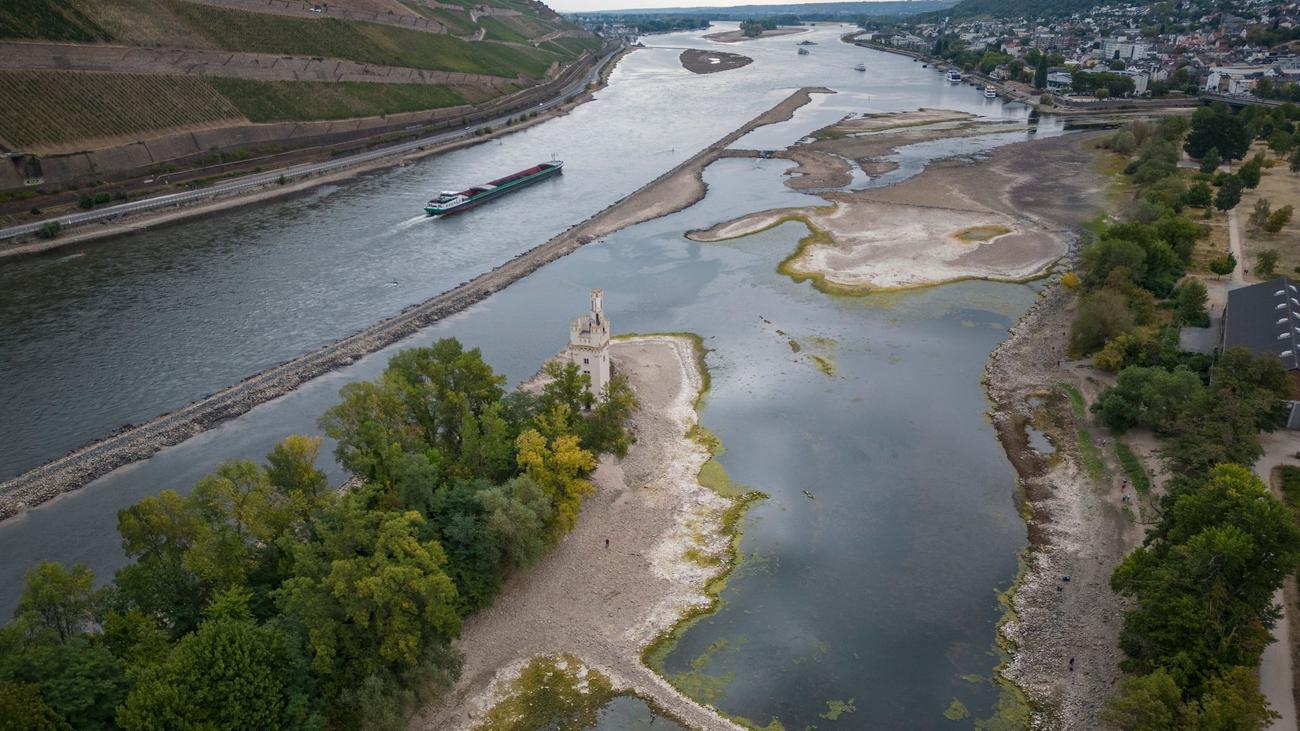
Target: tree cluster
(264, 599)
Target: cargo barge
(451, 201)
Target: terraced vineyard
(51, 108)
(303, 101)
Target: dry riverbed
(1006, 217)
(602, 606)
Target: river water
(878, 586)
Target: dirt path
(1234, 245)
(1276, 672)
(603, 605)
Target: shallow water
(880, 589)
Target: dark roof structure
(1265, 318)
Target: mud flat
(603, 605)
(673, 191)
(711, 62)
(1006, 218)
(735, 36)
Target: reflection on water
(876, 586)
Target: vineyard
(305, 101)
(57, 20)
(54, 108)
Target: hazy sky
(568, 6)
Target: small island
(749, 33)
(711, 62)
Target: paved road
(1276, 677)
(290, 173)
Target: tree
(1211, 161)
(604, 430)
(1278, 219)
(1222, 265)
(517, 514)
(558, 467)
(1152, 702)
(291, 467)
(1266, 262)
(58, 602)
(1259, 214)
(1040, 72)
(1229, 194)
(1150, 397)
(1191, 298)
(1217, 127)
(231, 673)
(1200, 195)
(1295, 161)
(372, 597)
(22, 709)
(80, 681)
(1102, 315)
(1251, 171)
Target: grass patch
(1289, 479)
(55, 20)
(975, 234)
(54, 107)
(301, 101)
(1137, 474)
(498, 31)
(1077, 405)
(1091, 456)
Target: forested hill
(1019, 8)
(204, 64)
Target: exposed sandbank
(673, 191)
(602, 605)
(711, 62)
(736, 36)
(916, 233)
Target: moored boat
(954, 75)
(451, 201)
(860, 67)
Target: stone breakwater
(133, 443)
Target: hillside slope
(93, 74)
(1019, 8)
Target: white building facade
(589, 343)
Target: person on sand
(606, 543)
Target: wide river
(879, 589)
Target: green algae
(552, 690)
(976, 234)
(972, 678)
(825, 365)
(956, 711)
(837, 708)
(794, 345)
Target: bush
(1266, 262)
(1199, 195)
(1190, 300)
(1229, 194)
(1071, 280)
(1279, 218)
(1102, 315)
(86, 201)
(49, 230)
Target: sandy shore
(711, 62)
(735, 36)
(1008, 217)
(602, 605)
(673, 191)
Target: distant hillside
(1020, 8)
(68, 86)
(805, 11)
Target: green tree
(1222, 265)
(1200, 195)
(80, 680)
(1216, 127)
(558, 466)
(1229, 194)
(372, 597)
(1259, 214)
(1102, 315)
(1251, 172)
(1211, 161)
(1152, 702)
(1040, 72)
(517, 514)
(1150, 397)
(57, 602)
(1191, 298)
(231, 673)
(291, 467)
(604, 430)
(22, 709)
(1278, 219)
(1266, 262)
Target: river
(878, 589)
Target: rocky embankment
(657, 198)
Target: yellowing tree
(559, 468)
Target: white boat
(990, 92)
(860, 67)
(954, 75)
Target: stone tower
(589, 343)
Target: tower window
(584, 361)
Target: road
(1276, 677)
(293, 172)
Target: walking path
(1276, 675)
(1234, 245)
(604, 604)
